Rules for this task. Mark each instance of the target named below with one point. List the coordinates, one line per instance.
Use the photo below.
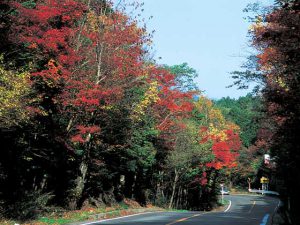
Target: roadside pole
(222, 193)
(264, 184)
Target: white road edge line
(100, 221)
(265, 219)
(228, 206)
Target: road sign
(264, 180)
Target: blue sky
(211, 36)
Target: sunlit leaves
(108, 110)
(223, 135)
(14, 91)
(150, 97)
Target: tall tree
(275, 35)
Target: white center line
(252, 207)
(228, 206)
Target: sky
(211, 36)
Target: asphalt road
(244, 210)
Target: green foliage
(29, 4)
(105, 124)
(30, 206)
(187, 152)
(142, 150)
(275, 36)
(246, 112)
(185, 76)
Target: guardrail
(263, 192)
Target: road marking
(252, 207)
(186, 218)
(265, 219)
(228, 206)
(181, 220)
(100, 221)
(279, 202)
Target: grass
(58, 218)
(179, 210)
(84, 214)
(223, 202)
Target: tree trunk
(79, 186)
(173, 189)
(178, 197)
(249, 183)
(159, 190)
(185, 198)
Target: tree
(182, 164)
(14, 89)
(275, 35)
(246, 112)
(184, 76)
(91, 121)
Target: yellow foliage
(232, 126)
(214, 119)
(215, 115)
(151, 96)
(259, 23)
(93, 22)
(203, 103)
(13, 90)
(217, 132)
(281, 84)
(101, 22)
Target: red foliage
(53, 73)
(88, 129)
(226, 151)
(203, 180)
(233, 141)
(173, 104)
(77, 139)
(49, 28)
(51, 32)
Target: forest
(89, 118)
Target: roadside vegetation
(89, 121)
(275, 67)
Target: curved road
(244, 210)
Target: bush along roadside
(60, 216)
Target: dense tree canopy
(275, 35)
(85, 119)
